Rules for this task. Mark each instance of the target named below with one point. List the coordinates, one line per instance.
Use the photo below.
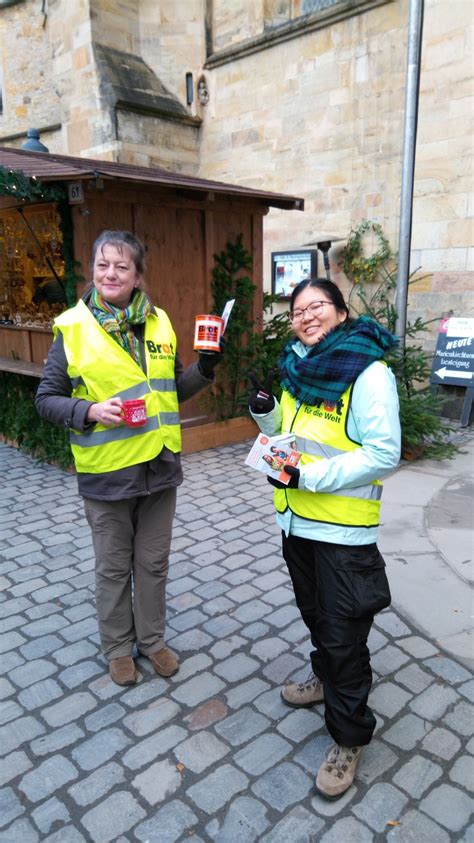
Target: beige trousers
(131, 541)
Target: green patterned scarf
(118, 321)
(335, 362)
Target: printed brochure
(270, 454)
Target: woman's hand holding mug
(108, 412)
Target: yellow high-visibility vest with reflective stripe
(321, 433)
(100, 368)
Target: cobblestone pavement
(212, 754)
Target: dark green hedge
(20, 423)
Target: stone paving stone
(381, 803)
(200, 751)
(391, 623)
(184, 601)
(442, 743)
(210, 590)
(388, 660)
(13, 765)
(462, 772)
(41, 647)
(262, 753)
(49, 814)
(191, 641)
(148, 720)
(217, 606)
(114, 816)
(206, 715)
(296, 632)
(153, 746)
(98, 749)
(97, 784)
(414, 678)
(407, 731)
(75, 652)
(241, 726)
(213, 792)
(198, 689)
(145, 691)
(448, 806)
(461, 718)
(58, 739)
(81, 629)
(187, 620)
(170, 823)
(298, 725)
(68, 834)
(243, 593)
(11, 640)
(252, 611)
(417, 776)
(283, 616)
(223, 649)
(314, 753)
(283, 786)
(269, 648)
(470, 746)
(14, 734)
(245, 820)
(238, 577)
(376, 759)
(388, 698)
(418, 647)
(330, 808)
(70, 708)
(45, 626)
(158, 782)
(467, 690)
(271, 704)
(47, 777)
(236, 668)
(246, 692)
(348, 830)
(104, 717)
(209, 573)
(181, 585)
(221, 626)
(448, 669)
(10, 806)
(433, 702)
(79, 673)
(21, 831)
(255, 630)
(39, 694)
(416, 828)
(282, 667)
(10, 710)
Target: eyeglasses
(313, 309)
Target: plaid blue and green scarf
(118, 322)
(332, 365)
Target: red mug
(134, 413)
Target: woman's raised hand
(261, 399)
(106, 412)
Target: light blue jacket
(373, 420)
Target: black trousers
(338, 590)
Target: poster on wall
(291, 267)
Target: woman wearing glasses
(340, 400)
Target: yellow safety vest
(100, 368)
(321, 433)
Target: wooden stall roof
(49, 167)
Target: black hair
(331, 290)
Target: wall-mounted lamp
(33, 143)
(189, 89)
(324, 243)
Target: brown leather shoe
(122, 671)
(164, 662)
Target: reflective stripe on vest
(321, 433)
(100, 368)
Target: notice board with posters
(453, 361)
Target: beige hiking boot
(303, 694)
(337, 773)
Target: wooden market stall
(183, 222)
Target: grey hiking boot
(303, 694)
(337, 772)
